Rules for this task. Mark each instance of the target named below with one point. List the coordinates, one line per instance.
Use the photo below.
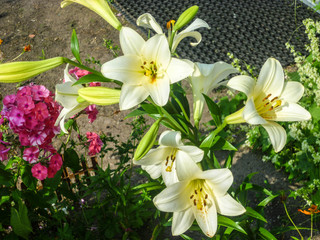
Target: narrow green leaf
(265, 201)
(227, 222)
(75, 46)
(4, 199)
(255, 214)
(265, 234)
(214, 110)
(91, 78)
(208, 141)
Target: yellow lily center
(170, 159)
(150, 70)
(267, 105)
(200, 195)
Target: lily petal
(197, 23)
(292, 91)
(66, 94)
(179, 69)
(227, 206)
(131, 95)
(169, 177)
(207, 220)
(271, 78)
(159, 90)
(125, 69)
(157, 49)
(182, 221)
(291, 112)
(66, 113)
(220, 71)
(171, 139)
(155, 156)
(243, 84)
(219, 179)
(146, 20)
(195, 153)
(131, 42)
(186, 167)
(250, 114)
(153, 170)
(277, 135)
(196, 35)
(174, 198)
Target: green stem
(311, 225)
(171, 39)
(285, 208)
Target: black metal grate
(252, 30)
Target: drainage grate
(252, 30)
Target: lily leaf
(227, 222)
(265, 234)
(214, 110)
(75, 46)
(91, 78)
(255, 214)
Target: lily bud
(21, 71)
(101, 7)
(186, 17)
(147, 141)
(100, 95)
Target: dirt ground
(47, 28)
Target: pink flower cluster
(95, 143)
(90, 110)
(41, 172)
(32, 113)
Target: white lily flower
(146, 20)
(199, 195)
(67, 95)
(269, 99)
(146, 68)
(205, 78)
(164, 159)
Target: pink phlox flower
(92, 112)
(41, 111)
(31, 154)
(9, 100)
(31, 121)
(24, 138)
(39, 171)
(37, 138)
(95, 143)
(40, 92)
(56, 162)
(25, 104)
(79, 73)
(95, 84)
(51, 172)
(24, 91)
(16, 117)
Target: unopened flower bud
(186, 17)
(147, 141)
(21, 71)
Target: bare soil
(47, 28)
